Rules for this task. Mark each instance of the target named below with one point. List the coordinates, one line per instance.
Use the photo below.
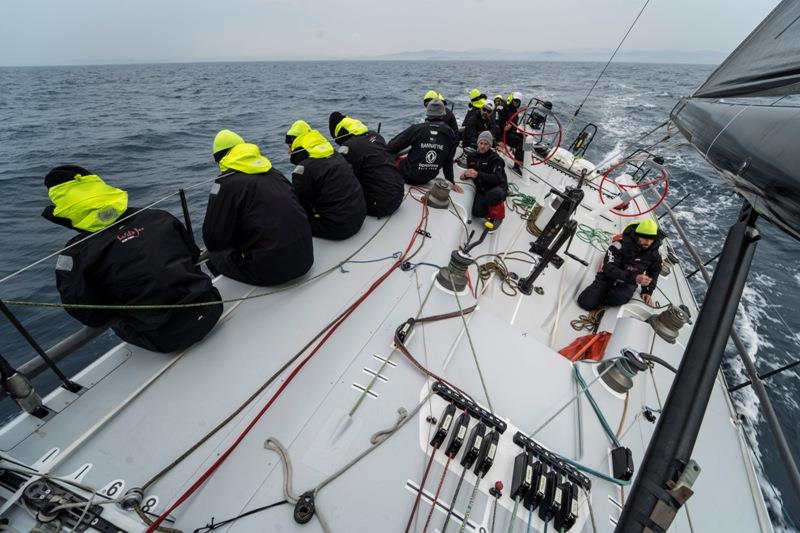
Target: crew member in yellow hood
(449, 117)
(325, 184)
(372, 163)
(476, 101)
(255, 228)
(131, 256)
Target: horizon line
(343, 59)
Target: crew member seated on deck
(632, 260)
(449, 117)
(325, 184)
(487, 170)
(433, 145)
(255, 228)
(128, 256)
(476, 101)
(513, 138)
(476, 123)
(372, 163)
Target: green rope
(596, 407)
(519, 200)
(595, 237)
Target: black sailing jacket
(474, 125)
(331, 196)
(146, 259)
(433, 144)
(374, 167)
(625, 260)
(256, 229)
(491, 171)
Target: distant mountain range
(705, 57)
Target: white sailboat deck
(141, 410)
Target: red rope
(436, 496)
(419, 492)
(221, 459)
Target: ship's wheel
(647, 175)
(542, 125)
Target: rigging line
(216, 525)
(224, 455)
(258, 392)
(611, 58)
(149, 206)
(552, 417)
(591, 510)
(436, 495)
(388, 358)
(453, 500)
(458, 216)
(241, 407)
(513, 516)
(471, 503)
(599, 412)
(472, 349)
(249, 296)
(421, 488)
(376, 440)
(652, 374)
(286, 465)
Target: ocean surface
(149, 129)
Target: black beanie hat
(334, 121)
(62, 174)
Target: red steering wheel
(662, 178)
(556, 133)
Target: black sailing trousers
(605, 292)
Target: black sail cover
(756, 148)
(767, 63)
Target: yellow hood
(315, 144)
(355, 127)
(245, 158)
(88, 202)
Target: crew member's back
(325, 184)
(255, 228)
(372, 163)
(432, 147)
(131, 257)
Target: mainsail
(754, 146)
(767, 63)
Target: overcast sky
(55, 32)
